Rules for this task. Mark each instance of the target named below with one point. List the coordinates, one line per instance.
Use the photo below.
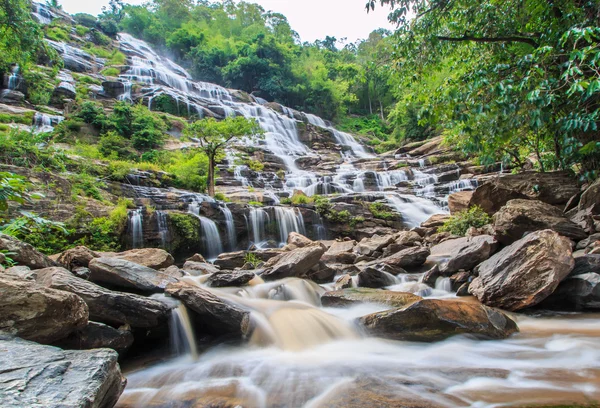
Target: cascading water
(163, 228)
(288, 220)
(13, 78)
(182, 336)
(259, 218)
(230, 225)
(135, 227)
(414, 210)
(211, 238)
(45, 123)
(342, 138)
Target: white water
(414, 210)
(230, 225)
(288, 220)
(259, 218)
(135, 227)
(163, 228)
(211, 238)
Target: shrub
(86, 185)
(255, 203)
(252, 259)
(93, 114)
(81, 30)
(114, 146)
(221, 197)
(85, 19)
(381, 211)
(322, 205)
(255, 165)
(48, 237)
(301, 198)
(57, 33)
(110, 72)
(340, 217)
(187, 227)
(99, 39)
(459, 223)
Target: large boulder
(437, 319)
(33, 312)
(524, 273)
(295, 240)
(23, 253)
(347, 297)
(295, 263)
(223, 279)
(577, 292)
(371, 277)
(106, 306)
(119, 273)
(407, 258)
(368, 246)
(590, 199)
(33, 375)
(462, 253)
(435, 221)
(76, 257)
(555, 188)
(518, 217)
(340, 252)
(154, 258)
(232, 260)
(216, 316)
(458, 202)
(98, 335)
(199, 268)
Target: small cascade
(135, 220)
(414, 210)
(163, 228)
(444, 284)
(230, 225)
(126, 95)
(42, 13)
(342, 138)
(288, 220)
(13, 78)
(259, 219)
(45, 123)
(182, 339)
(211, 239)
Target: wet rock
(199, 268)
(98, 335)
(524, 273)
(462, 253)
(196, 258)
(64, 90)
(340, 252)
(408, 238)
(346, 297)
(11, 97)
(113, 88)
(33, 312)
(586, 264)
(293, 264)
(374, 278)
(343, 282)
(589, 241)
(154, 258)
(76, 257)
(106, 306)
(24, 254)
(436, 319)
(295, 240)
(368, 246)
(223, 279)
(233, 260)
(459, 279)
(440, 237)
(435, 221)
(431, 276)
(463, 290)
(576, 292)
(216, 316)
(407, 258)
(458, 202)
(33, 375)
(119, 273)
(555, 188)
(321, 273)
(518, 217)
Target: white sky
(312, 19)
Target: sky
(312, 19)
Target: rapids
(303, 355)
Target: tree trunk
(211, 175)
(381, 109)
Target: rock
(462, 253)
(11, 97)
(114, 89)
(232, 260)
(196, 258)
(458, 202)
(296, 240)
(98, 335)
(408, 238)
(346, 297)
(33, 312)
(591, 198)
(555, 188)
(24, 254)
(463, 290)
(576, 292)
(459, 279)
(154, 258)
(518, 217)
(588, 241)
(374, 278)
(119, 273)
(368, 246)
(64, 90)
(106, 306)
(216, 316)
(343, 282)
(199, 268)
(436, 319)
(321, 273)
(524, 273)
(586, 264)
(33, 375)
(223, 279)
(407, 258)
(431, 276)
(22, 272)
(76, 257)
(340, 252)
(295, 263)
(435, 221)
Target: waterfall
(414, 210)
(126, 95)
(135, 227)
(182, 339)
(42, 13)
(342, 138)
(230, 225)
(444, 284)
(163, 228)
(288, 220)
(211, 239)
(259, 218)
(13, 78)
(45, 123)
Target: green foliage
(86, 20)
(458, 224)
(57, 33)
(25, 149)
(252, 259)
(111, 72)
(12, 188)
(221, 197)
(255, 203)
(187, 227)
(255, 165)
(322, 205)
(104, 233)
(48, 237)
(93, 114)
(86, 185)
(339, 217)
(381, 211)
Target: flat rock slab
(345, 297)
(36, 376)
(462, 253)
(119, 273)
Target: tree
(214, 136)
(20, 36)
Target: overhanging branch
(525, 40)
